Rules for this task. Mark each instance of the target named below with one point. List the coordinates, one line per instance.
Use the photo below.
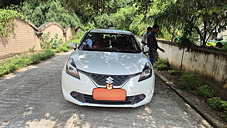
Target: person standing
(144, 37)
(152, 43)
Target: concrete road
(32, 98)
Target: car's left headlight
(147, 72)
(71, 68)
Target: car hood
(109, 62)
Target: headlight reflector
(71, 68)
(147, 72)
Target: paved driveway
(32, 98)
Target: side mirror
(73, 45)
(145, 49)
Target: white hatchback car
(108, 69)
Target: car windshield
(110, 43)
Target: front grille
(130, 100)
(89, 99)
(100, 79)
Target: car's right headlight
(147, 72)
(71, 68)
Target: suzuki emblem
(109, 83)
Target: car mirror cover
(73, 45)
(145, 49)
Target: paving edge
(212, 121)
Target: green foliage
(174, 72)
(189, 81)
(205, 91)
(50, 43)
(224, 47)
(19, 62)
(169, 33)
(103, 21)
(14, 63)
(63, 48)
(32, 49)
(215, 103)
(5, 69)
(138, 26)
(77, 37)
(218, 104)
(7, 21)
(185, 40)
(224, 113)
(162, 64)
(124, 17)
(40, 11)
(36, 58)
(195, 15)
(224, 105)
(22, 62)
(177, 18)
(5, 3)
(87, 10)
(88, 26)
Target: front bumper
(79, 91)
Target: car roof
(111, 31)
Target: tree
(39, 12)
(7, 21)
(124, 17)
(5, 3)
(103, 21)
(87, 10)
(200, 16)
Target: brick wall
(26, 35)
(53, 28)
(70, 31)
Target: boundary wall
(26, 35)
(210, 64)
